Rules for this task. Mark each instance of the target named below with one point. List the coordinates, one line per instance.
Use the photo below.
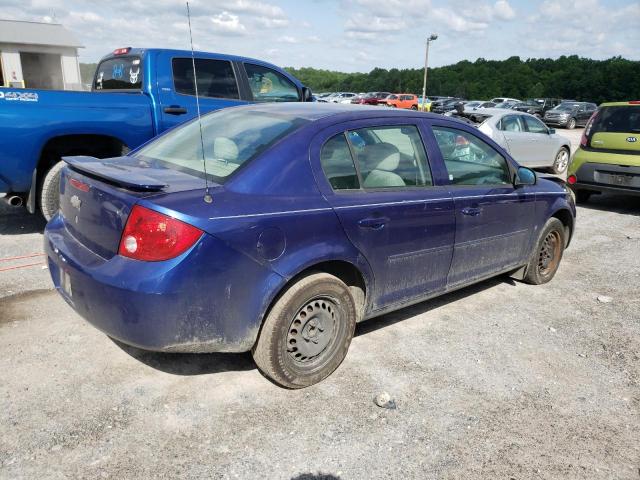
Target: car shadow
(17, 221)
(608, 202)
(189, 364)
(392, 318)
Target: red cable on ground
(31, 255)
(21, 266)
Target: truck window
(267, 85)
(215, 78)
(119, 73)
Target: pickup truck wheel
(50, 192)
(547, 254)
(307, 333)
(571, 124)
(561, 161)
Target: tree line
(570, 77)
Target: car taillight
(83, 187)
(584, 140)
(572, 179)
(153, 237)
(634, 102)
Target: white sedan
(529, 141)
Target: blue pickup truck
(136, 95)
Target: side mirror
(525, 176)
(306, 95)
(552, 131)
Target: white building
(38, 55)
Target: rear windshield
(620, 119)
(120, 73)
(231, 139)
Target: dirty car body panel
(275, 214)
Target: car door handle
(472, 211)
(374, 223)
(175, 110)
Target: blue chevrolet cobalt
(276, 228)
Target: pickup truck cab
(136, 94)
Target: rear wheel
(561, 161)
(49, 197)
(308, 331)
(571, 124)
(414, 107)
(548, 252)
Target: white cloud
(228, 23)
(288, 39)
(503, 10)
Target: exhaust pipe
(14, 200)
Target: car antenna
(207, 196)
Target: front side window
(469, 160)
(215, 78)
(534, 125)
(337, 164)
(119, 73)
(389, 157)
(231, 139)
(267, 85)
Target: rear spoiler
(125, 176)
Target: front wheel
(561, 161)
(307, 333)
(50, 191)
(571, 124)
(547, 254)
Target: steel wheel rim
(313, 330)
(562, 160)
(549, 255)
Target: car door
(494, 220)
(544, 147)
(218, 87)
(376, 176)
(519, 141)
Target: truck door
(218, 87)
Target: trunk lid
(96, 196)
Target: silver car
(529, 141)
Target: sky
(350, 35)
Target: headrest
(381, 156)
(225, 149)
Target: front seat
(381, 160)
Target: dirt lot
(500, 380)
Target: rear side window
(511, 123)
(618, 119)
(390, 157)
(215, 78)
(267, 85)
(337, 164)
(119, 73)
(469, 160)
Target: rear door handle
(374, 223)
(471, 211)
(175, 110)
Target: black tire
(582, 196)
(571, 124)
(292, 330)
(414, 107)
(547, 254)
(49, 192)
(561, 161)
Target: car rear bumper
(198, 302)
(604, 177)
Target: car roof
(314, 111)
(621, 104)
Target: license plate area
(65, 283)
(620, 179)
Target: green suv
(608, 159)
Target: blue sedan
(276, 228)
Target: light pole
(426, 63)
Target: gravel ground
(499, 380)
